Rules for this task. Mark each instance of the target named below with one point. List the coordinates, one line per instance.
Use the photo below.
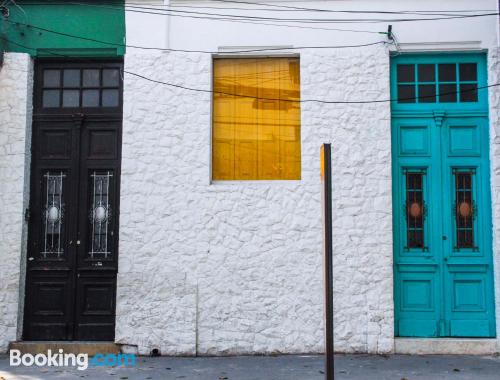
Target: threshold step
(69, 347)
(449, 346)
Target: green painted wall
(97, 20)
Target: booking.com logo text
(61, 359)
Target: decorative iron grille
(100, 215)
(415, 209)
(464, 209)
(53, 214)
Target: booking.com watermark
(62, 359)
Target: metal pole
(326, 187)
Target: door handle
(31, 258)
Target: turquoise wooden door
(441, 193)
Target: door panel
(73, 235)
(420, 295)
(49, 310)
(467, 224)
(51, 254)
(417, 270)
(95, 307)
(443, 262)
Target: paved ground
(359, 367)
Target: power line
(226, 18)
(131, 8)
(281, 19)
(285, 8)
(200, 90)
(194, 51)
(262, 23)
(304, 100)
(274, 8)
(409, 12)
(293, 8)
(218, 16)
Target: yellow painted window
(256, 119)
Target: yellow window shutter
(256, 119)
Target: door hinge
(27, 215)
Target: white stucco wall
(494, 102)
(237, 267)
(15, 139)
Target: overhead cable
(225, 17)
(194, 51)
(201, 90)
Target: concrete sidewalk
(293, 367)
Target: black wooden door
(74, 201)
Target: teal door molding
(442, 204)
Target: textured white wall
(237, 267)
(247, 256)
(494, 101)
(15, 139)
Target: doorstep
(448, 346)
(70, 347)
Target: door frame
(75, 115)
(443, 113)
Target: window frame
(479, 58)
(228, 55)
(82, 64)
